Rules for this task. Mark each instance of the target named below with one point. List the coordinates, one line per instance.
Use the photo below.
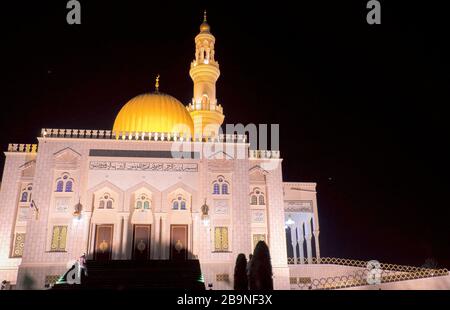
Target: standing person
(240, 273)
(82, 264)
(249, 265)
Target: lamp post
(205, 215)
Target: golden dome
(154, 112)
(204, 27)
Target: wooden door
(103, 242)
(178, 242)
(141, 242)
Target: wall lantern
(205, 215)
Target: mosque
(162, 184)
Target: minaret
(205, 112)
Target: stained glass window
(24, 197)
(175, 205)
(69, 185)
(224, 189)
(59, 186)
(216, 189)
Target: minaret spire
(205, 111)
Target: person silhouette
(82, 264)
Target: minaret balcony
(200, 107)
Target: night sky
(361, 108)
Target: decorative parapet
(22, 148)
(385, 274)
(138, 136)
(264, 154)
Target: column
(126, 227)
(92, 240)
(294, 242)
(165, 238)
(308, 237)
(301, 240)
(155, 242)
(196, 225)
(316, 242)
(86, 216)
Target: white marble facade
(64, 173)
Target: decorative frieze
(143, 166)
(221, 207)
(258, 216)
(298, 206)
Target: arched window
(179, 203)
(69, 185)
(216, 189)
(143, 202)
(106, 201)
(24, 197)
(175, 205)
(261, 200)
(224, 189)
(59, 186)
(220, 186)
(257, 197)
(64, 184)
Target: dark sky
(360, 108)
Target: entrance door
(141, 242)
(103, 242)
(178, 242)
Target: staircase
(129, 274)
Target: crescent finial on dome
(157, 84)
(204, 27)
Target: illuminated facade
(164, 183)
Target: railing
(255, 154)
(386, 273)
(136, 136)
(22, 148)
